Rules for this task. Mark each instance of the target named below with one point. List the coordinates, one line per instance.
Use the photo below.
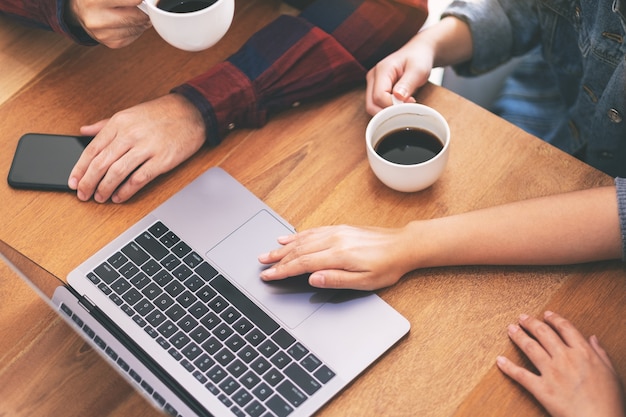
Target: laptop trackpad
(292, 300)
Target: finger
(341, 279)
(409, 81)
(276, 255)
(522, 376)
(116, 27)
(299, 244)
(285, 269)
(531, 348)
(93, 129)
(142, 176)
(566, 330)
(90, 167)
(370, 104)
(132, 162)
(550, 341)
(309, 252)
(94, 147)
(595, 344)
(102, 176)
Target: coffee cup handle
(143, 7)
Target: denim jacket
(620, 185)
(584, 44)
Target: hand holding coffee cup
(191, 25)
(407, 146)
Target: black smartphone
(44, 161)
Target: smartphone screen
(44, 161)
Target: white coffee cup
(191, 31)
(415, 176)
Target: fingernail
(523, 317)
(317, 280)
(547, 314)
(284, 239)
(72, 183)
(401, 90)
(263, 256)
(512, 328)
(268, 272)
(500, 360)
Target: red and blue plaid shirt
(327, 49)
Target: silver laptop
(176, 304)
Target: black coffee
(408, 146)
(184, 6)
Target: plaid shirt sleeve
(327, 49)
(45, 14)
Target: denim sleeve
(501, 29)
(620, 184)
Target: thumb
(411, 80)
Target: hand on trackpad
(291, 300)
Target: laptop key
(170, 262)
(302, 378)
(151, 245)
(279, 407)
(229, 385)
(158, 229)
(262, 391)
(117, 260)
(283, 338)
(206, 271)
(297, 351)
(181, 249)
(324, 374)
(164, 301)
(242, 397)
(120, 286)
(255, 409)
(155, 318)
(106, 273)
(140, 280)
(169, 239)
(311, 362)
(135, 253)
(193, 260)
(291, 393)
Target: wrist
(414, 238)
(450, 41)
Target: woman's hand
(341, 257)
(576, 376)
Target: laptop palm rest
(291, 300)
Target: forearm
(304, 58)
(561, 229)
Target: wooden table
(310, 165)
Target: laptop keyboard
(237, 351)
